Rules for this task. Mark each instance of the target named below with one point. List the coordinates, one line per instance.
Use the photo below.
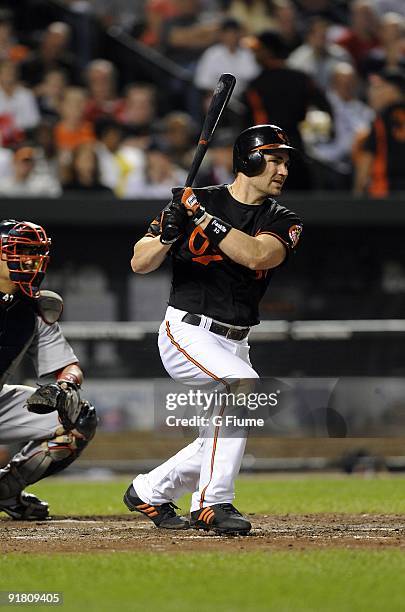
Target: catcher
(53, 422)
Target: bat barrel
(219, 101)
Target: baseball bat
(220, 99)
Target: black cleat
(26, 507)
(163, 515)
(224, 519)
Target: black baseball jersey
(386, 142)
(205, 281)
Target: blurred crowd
(332, 73)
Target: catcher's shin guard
(37, 460)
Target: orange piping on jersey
(379, 181)
(206, 259)
(216, 432)
(259, 113)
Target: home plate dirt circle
(114, 533)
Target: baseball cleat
(163, 515)
(224, 519)
(26, 507)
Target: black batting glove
(173, 222)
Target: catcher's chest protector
(17, 329)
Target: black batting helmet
(248, 156)
(25, 247)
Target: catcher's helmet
(248, 156)
(25, 248)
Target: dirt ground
(123, 533)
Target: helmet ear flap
(253, 164)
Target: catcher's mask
(25, 247)
(252, 144)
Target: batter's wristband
(216, 230)
(199, 215)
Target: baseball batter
(224, 242)
(52, 422)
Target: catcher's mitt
(65, 399)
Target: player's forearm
(70, 373)
(247, 250)
(149, 254)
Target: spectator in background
(46, 154)
(316, 56)
(138, 137)
(131, 158)
(161, 174)
(391, 52)
(25, 180)
(101, 80)
(183, 39)
(286, 23)
(390, 6)
(331, 10)
(109, 136)
(18, 107)
(83, 171)
(179, 133)
(139, 107)
(282, 96)
(73, 129)
(362, 35)
(254, 14)
(380, 153)
(50, 94)
(219, 169)
(123, 13)
(156, 13)
(6, 162)
(52, 54)
(350, 116)
(10, 48)
(226, 56)
(186, 35)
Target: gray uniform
(49, 352)
(26, 330)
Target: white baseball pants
(209, 465)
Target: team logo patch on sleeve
(294, 233)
